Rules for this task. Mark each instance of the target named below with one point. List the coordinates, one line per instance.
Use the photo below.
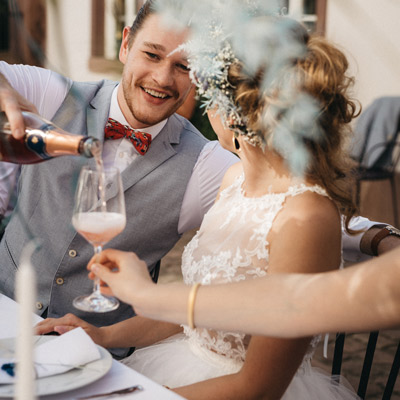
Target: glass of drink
(99, 216)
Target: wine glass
(99, 216)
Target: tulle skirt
(179, 361)
(315, 384)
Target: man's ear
(124, 49)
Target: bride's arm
(305, 237)
(359, 298)
(258, 307)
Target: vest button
(39, 305)
(72, 253)
(60, 281)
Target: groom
(167, 190)
(164, 189)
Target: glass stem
(96, 281)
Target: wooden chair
(367, 364)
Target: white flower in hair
(268, 45)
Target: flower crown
(256, 34)
(210, 61)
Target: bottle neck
(90, 147)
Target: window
(22, 31)
(109, 17)
(312, 13)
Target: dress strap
(302, 188)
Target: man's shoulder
(95, 93)
(94, 85)
(187, 125)
(188, 133)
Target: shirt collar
(116, 113)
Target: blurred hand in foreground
(12, 103)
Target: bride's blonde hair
(323, 76)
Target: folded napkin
(70, 350)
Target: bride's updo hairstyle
(322, 74)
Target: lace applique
(231, 246)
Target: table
(119, 376)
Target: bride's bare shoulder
(231, 174)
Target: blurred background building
(80, 38)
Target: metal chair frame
(367, 365)
(376, 173)
(156, 271)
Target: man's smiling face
(154, 82)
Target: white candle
(25, 291)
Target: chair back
(376, 134)
(156, 271)
(366, 366)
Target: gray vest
(154, 187)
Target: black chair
(376, 149)
(380, 173)
(367, 365)
(156, 271)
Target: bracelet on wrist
(386, 230)
(191, 301)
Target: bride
(278, 210)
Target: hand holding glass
(99, 216)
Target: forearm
(215, 389)
(263, 310)
(374, 243)
(40, 90)
(137, 332)
(359, 298)
(369, 240)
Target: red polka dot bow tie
(140, 140)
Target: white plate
(73, 379)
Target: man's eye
(152, 55)
(183, 67)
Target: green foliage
(201, 122)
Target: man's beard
(151, 118)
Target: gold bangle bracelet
(191, 300)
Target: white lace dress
(230, 246)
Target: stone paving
(353, 356)
(354, 348)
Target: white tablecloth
(118, 377)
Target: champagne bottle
(43, 140)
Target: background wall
(68, 46)
(368, 31)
